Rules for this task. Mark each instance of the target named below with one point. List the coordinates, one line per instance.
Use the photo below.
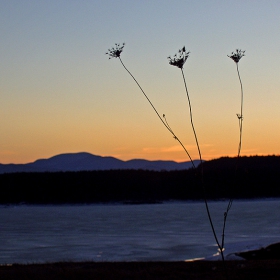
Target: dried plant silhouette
(235, 56)
(179, 60)
(115, 52)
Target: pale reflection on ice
(163, 232)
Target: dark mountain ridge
(89, 162)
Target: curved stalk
(162, 120)
(240, 121)
(241, 114)
(200, 158)
(191, 118)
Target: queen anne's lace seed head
(115, 51)
(179, 59)
(237, 55)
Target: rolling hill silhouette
(89, 162)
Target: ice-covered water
(148, 232)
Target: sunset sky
(59, 92)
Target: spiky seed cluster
(179, 59)
(115, 51)
(237, 55)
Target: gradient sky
(59, 92)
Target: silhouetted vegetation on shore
(256, 176)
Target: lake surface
(148, 232)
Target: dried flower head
(115, 51)
(237, 55)
(179, 59)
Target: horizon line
(137, 158)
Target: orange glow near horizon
(178, 156)
(61, 94)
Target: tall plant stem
(241, 114)
(191, 118)
(201, 165)
(240, 121)
(161, 119)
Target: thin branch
(240, 121)
(201, 165)
(161, 119)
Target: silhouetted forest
(247, 177)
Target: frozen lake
(148, 232)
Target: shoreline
(193, 270)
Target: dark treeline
(254, 177)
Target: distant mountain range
(88, 162)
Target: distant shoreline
(256, 177)
(139, 202)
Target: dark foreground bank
(264, 269)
